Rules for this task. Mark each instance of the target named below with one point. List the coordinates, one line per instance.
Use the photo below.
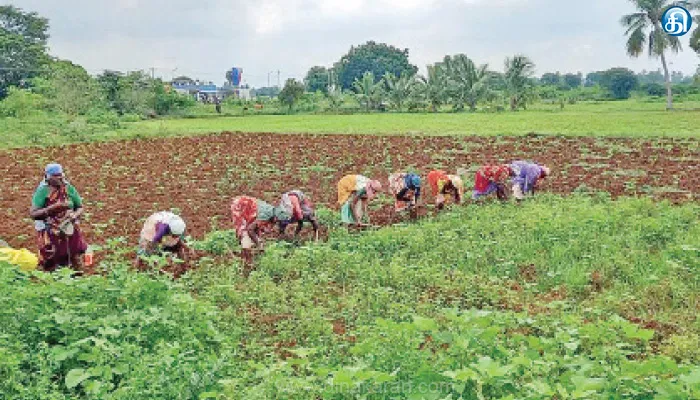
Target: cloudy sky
(202, 39)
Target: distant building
(206, 92)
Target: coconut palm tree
(367, 91)
(334, 94)
(644, 30)
(468, 80)
(695, 37)
(517, 79)
(398, 89)
(435, 86)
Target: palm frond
(632, 19)
(635, 43)
(695, 36)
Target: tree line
(32, 81)
(377, 75)
(458, 80)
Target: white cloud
(128, 4)
(342, 8)
(204, 38)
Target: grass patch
(604, 119)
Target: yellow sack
(23, 258)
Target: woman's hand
(74, 215)
(57, 207)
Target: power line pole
(278, 78)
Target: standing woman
(56, 210)
(354, 194)
(527, 176)
(442, 184)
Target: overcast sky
(204, 38)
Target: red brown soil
(339, 326)
(528, 272)
(123, 182)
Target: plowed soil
(124, 182)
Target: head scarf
(545, 170)
(177, 225)
(53, 169)
(373, 187)
(413, 181)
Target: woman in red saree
(490, 179)
(251, 218)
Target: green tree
(166, 101)
(551, 79)
(368, 91)
(377, 58)
(467, 82)
(317, 79)
(593, 78)
(651, 76)
(20, 103)
(134, 92)
(644, 30)
(435, 87)
(620, 82)
(518, 71)
(653, 89)
(573, 81)
(335, 97)
(399, 89)
(68, 88)
(695, 36)
(23, 39)
(291, 93)
(138, 93)
(266, 91)
(111, 85)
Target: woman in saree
(354, 194)
(442, 184)
(490, 179)
(527, 177)
(300, 209)
(251, 218)
(163, 232)
(406, 190)
(56, 210)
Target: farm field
(581, 292)
(610, 119)
(587, 290)
(579, 120)
(124, 182)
